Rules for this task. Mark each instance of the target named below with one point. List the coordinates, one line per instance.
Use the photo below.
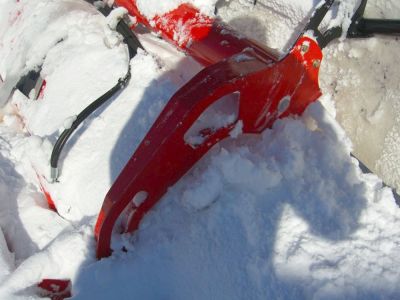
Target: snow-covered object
(284, 215)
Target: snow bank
(281, 216)
(36, 36)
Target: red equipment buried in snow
(55, 289)
(267, 88)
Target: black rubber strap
(364, 28)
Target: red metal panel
(205, 39)
(269, 89)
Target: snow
(6, 259)
(287, 214)
(152, 8)
(222, 113)
(69, 121)
(369, 114)
(115, 16)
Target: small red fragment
(55, 289)
(50, 201)
(42, 88)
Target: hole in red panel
(139, 198)
(123, 220)
(283, 104)
(220, 114)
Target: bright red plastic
(41, 90)
(234, 64)
(49, 199)
(205, 39)
(55, 289)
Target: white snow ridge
(287, 214)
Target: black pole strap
(360, 27)
(368, 27)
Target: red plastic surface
(47, 195)
(41, 90)
(205, 39)
(55, 289)
(269, 89)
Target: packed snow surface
(286, 214)
(152, 8)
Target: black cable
(133, 44)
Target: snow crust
(283, 215)
(152, 8)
